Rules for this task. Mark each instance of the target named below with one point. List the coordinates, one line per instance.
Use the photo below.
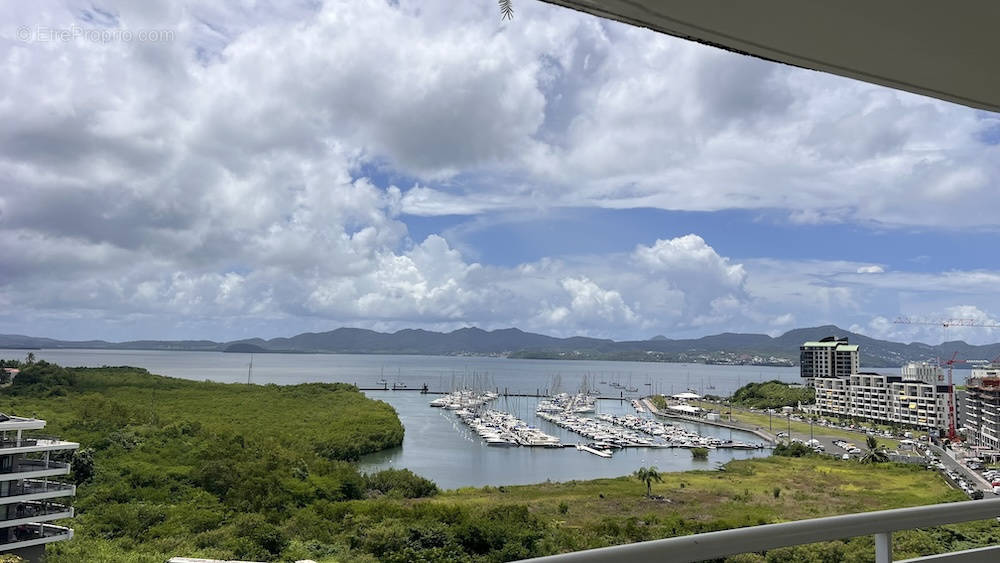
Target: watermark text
(75, 32)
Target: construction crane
(945, 324)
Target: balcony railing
(33, 534)
(31, 487)
(715, 545)
(29, 441)
(34, 510)
(25, 465)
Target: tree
(83, 465)
(506, 9)
(875, 453)
(647, 475)
(30, 359)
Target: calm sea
(437, 445)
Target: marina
(606, 432)
(501, 429)
(437, 444)
(464, 399)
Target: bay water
(436, 444)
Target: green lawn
(799, 429)
(602, 512)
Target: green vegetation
(614, 511)
(772, 395)
(778, 423)
(874, 452)
(647, 475)
(793, 449)
(699, 453)
(173, 467)
(264, 473)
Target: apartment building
(829, 357)
(30, 490)
(982, 408)
(918, 396)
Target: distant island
(727, 348)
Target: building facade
(982, 408)
(829, 357)
(30, 489)
(918, 396)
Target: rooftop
(838, 345)
(11, 422)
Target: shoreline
(767, 436)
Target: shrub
(402, 482)
(699, 453)
(795, 449)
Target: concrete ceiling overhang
(943, 49)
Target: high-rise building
(828, 357)
(918, 396)
(982, 409)
(30, 489)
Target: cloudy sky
(247, 169)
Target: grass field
(742, 494)
(799, 429)
(748, 492)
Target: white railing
(714, 545)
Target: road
(971, 476)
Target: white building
(827, 358)
(28, 491)
(918, 396)
(982, 409)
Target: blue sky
(269, 169)
(510, 240)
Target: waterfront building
(918, 396)
(982, 409)
(30, 489)
(830, 357)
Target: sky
(225, 170)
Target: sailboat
(710, 386)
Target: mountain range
(512, 342)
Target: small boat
(382, 382)
(600, 453)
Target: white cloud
(241, 174)
(590, 302)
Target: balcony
(32, 490)
(881, 524)
(34, 512)
(34, 469)
(33, 534)
(32, 444)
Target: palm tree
(875, 453)
(506, 9)
(647, 475)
